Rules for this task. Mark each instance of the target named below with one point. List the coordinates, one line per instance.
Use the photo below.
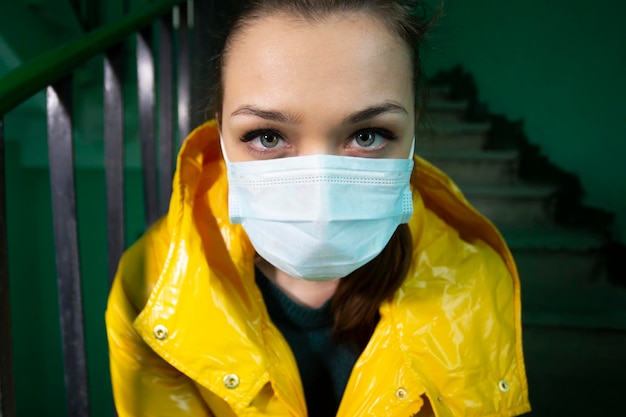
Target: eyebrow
(274, 116)
(371, 112)
(354, 118)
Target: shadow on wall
(559, 66)
(535, 168)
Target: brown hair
(356, 302)
(359, 295)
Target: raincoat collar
(197, 293)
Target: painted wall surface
(559, 65)
(31, 27)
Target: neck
(312, 294)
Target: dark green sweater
(324, 365)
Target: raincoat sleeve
(144, 384)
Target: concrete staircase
(574, 319)
(563, 271)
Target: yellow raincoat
(189, 334)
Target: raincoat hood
(188, 328)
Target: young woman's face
(341, 86)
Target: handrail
(36, 74)
(53, 73)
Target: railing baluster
(20, 84)
(114, 155)
(166, 133)
(145, 78)
(184, 80)
(61, 157)
(7, 390)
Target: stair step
(551, 257)
(451, 136)
(575, 372)
(552, 238)
(437, 93)
(442, 110)
(606, 319)
(513, 206)
(564, 280)
(476, 168)
(599, 306)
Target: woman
(306, 267)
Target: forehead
(278, 56)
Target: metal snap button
(231, 381)
(160, 332)
(401, 393)
(504, 386)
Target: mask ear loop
(223, 149)
(412, 150)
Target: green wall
(560, 66)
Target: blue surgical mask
(320, 217)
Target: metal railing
(53, 73)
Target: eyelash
(385, 133)
(250, 136)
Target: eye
(263, 139)
(371, 138)
(367, 139)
